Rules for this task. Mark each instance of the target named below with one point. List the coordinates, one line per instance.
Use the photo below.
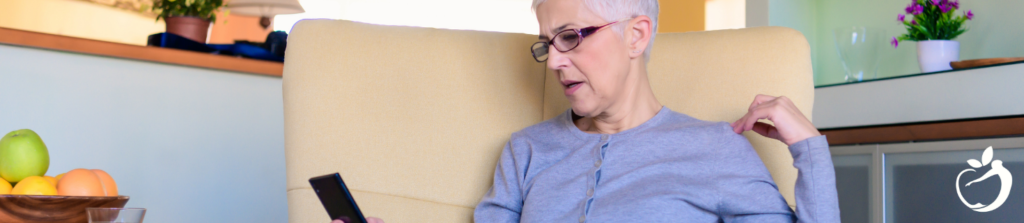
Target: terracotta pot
(189, 27)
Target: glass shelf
(913, 75)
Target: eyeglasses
(565, 40)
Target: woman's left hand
(790, 124)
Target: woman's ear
(639, 33)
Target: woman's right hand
(368, 220)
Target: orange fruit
(34, 185)
(5, 187)
(53, 181)
(80, 182)
(108, 182)
(58, 177)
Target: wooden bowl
(35, 208)
(983, 62)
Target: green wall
(996, 31)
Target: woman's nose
(556, 59)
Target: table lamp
(265, 9)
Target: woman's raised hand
(790, 124)
(368, 220)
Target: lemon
(34, 185)
(58, 177)
(5, 187)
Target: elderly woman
(620, 156)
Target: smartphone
(335, 197)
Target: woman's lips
(571, 88)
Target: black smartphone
(335, 197)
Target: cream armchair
(414, 119)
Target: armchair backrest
(414, 119)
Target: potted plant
(934, 25)
(188, 18)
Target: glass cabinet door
(955, 186)
(853, 183)
(928, 181)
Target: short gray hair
(614, 10)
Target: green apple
(22, 154)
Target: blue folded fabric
(170, 40)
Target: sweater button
(582, 219)
(597, 164)
(590, 192)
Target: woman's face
(593, 74)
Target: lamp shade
(264, 8)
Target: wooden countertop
(143, 53)
(913, 132)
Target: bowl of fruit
(28, 195)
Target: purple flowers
(945, 8)
(913, 8)
(948, 27)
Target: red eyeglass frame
(582, 33)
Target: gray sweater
(672, 168)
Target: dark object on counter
(964, 64)
(247, 50)
(276, 42)
(243, 49)
(171, 40)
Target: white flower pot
(935, 55)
